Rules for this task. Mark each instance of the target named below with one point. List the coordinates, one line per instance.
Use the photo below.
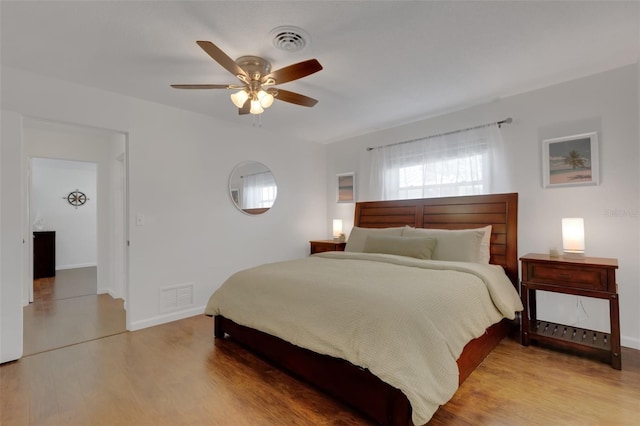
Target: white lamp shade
(256, 108)
(266, 99)
(337, 228)
(573, 236)
(239, 98)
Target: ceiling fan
(256, 91)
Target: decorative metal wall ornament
(76, 198)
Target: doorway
(76, 189)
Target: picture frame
(346, 189)
(570, 161)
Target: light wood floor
(66, 310)
(178, 374)
(67, 283)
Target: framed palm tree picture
(570, 161)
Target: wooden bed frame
(356, 386)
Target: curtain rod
(507, 120)
(254, 174)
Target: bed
(365, 383)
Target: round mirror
(252, 187)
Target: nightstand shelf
(589, 277)
(319, 246)
(571, 335)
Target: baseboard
(110, 292)
(162, 319)
(629, 342)
(79, 265)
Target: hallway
(66, 311)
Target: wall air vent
(176, 297)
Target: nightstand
(588, 277)
(318, 246)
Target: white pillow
(460, 245)
(485, 245)
(418, 247)
(358, 236)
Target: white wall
(75, 226)
(179, 164)
(606, 103)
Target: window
(441, 166)
(259, 190)
(458, 176)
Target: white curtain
(461, 163)
(259, 190)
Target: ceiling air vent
(289, 39)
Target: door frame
(124, 231)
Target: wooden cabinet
(588, 277)
(44, 254)
(318, 246)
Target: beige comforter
(406, 320)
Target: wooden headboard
(473, 211)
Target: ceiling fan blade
(222, 58)
(294, 72)
(295, 98)
(201, 86)
(245, 108)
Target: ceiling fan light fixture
(239, 98)
(256, 108)
(265, 98)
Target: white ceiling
(385, 63)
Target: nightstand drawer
(321, 247)
(326, 245)
(584, 277)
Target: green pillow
(358, 236)
(418, 247)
